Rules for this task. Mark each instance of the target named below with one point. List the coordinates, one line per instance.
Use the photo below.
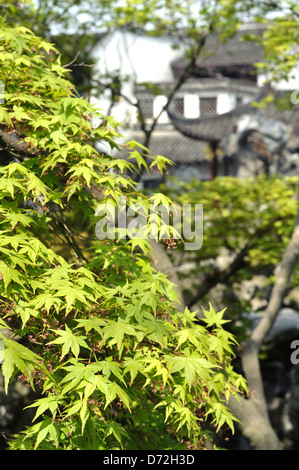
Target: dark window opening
(152, 184)
(239, 101)
(207, 106)
(147, 107)
(178, 106)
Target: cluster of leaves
(184, 20)
(237, 211)
(96, 334)
(279, 41)
(249, 221)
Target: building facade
(205, 110)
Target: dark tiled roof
(235, 51)
(170, 143)
(211, 128)
(187, 141)
(218, 84)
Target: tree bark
(163, 264)
(255, 427)
(252, 412)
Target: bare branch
(250, 348)
(254, 427)
(286, 268)
(12, 142)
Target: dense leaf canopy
(91, 323)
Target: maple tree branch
(239, 262)
(251, 347)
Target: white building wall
(134, 59)
(191, 106)
(225, 102)
(159, 103)
(291, 84)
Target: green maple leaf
(158, 331)
(117, 331)
(112, 427)
(148, 298)
(115, 390)
(214, 319)
(70, 342)
(49, 403)
(133, 366)
(18, 357)
(192, 366)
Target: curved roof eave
(211, 128)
